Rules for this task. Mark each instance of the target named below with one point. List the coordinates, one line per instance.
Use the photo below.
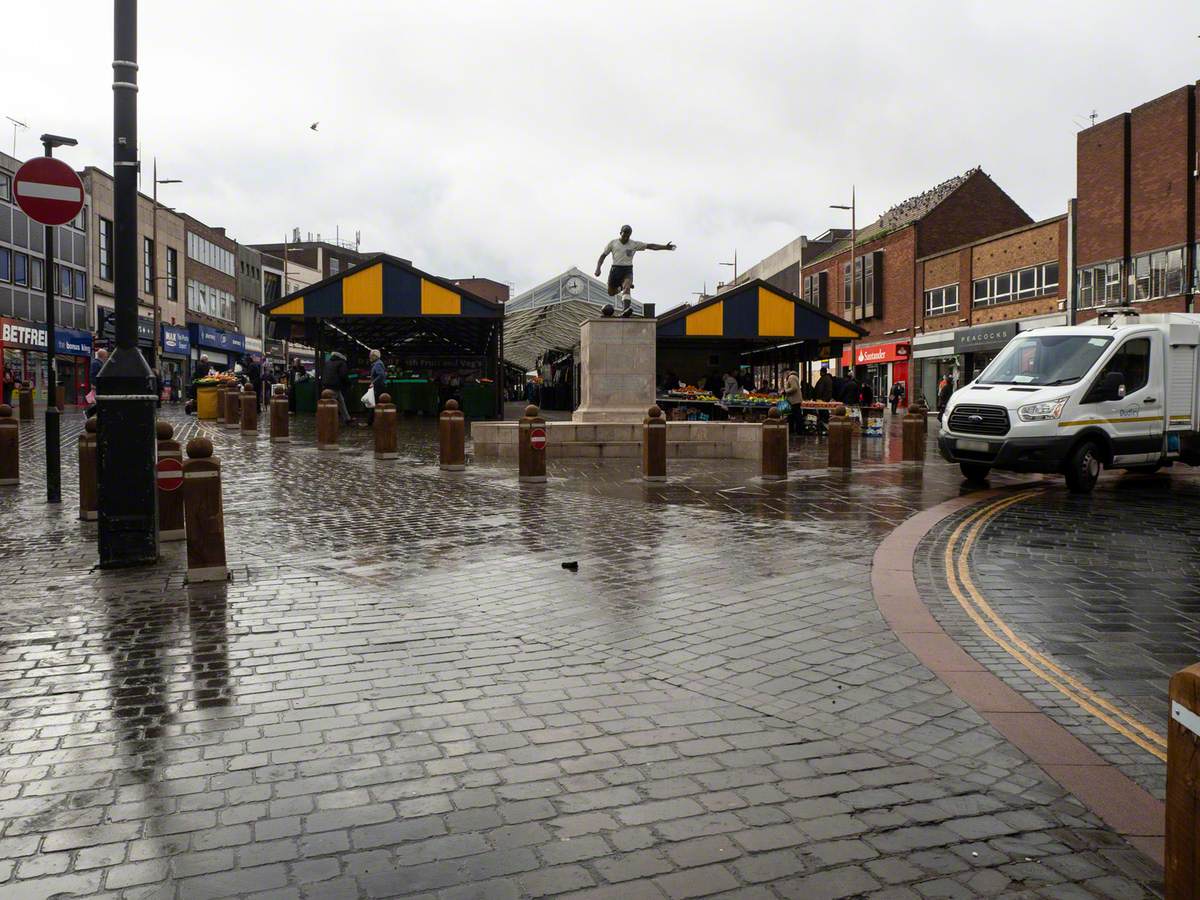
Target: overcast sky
(511, 140)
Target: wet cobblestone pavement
(1104, 585)
(401, 692)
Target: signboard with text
(879, 353)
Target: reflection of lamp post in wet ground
(853, 250)
(208, 624)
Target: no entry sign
(170, 474)
(48, 191)
(537, 438)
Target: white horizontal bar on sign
(1185, 717)
(49, 191)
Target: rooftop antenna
(701, 293)
(734, 264)
(16, 125)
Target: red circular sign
(48, 191)
(537, 438)
(170, 474)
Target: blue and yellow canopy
(756, 312)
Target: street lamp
(53, 448)
(853, 250)
(157, 342)
(734, 264)
(16, 124)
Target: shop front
(223, 348)
(23, 346)
(979, 345)
(275, 354)
(880, 366)
(106, 331)
(176, 352)
(933, 360)
(254, 349)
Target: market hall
(439, 341)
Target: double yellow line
(958, 576)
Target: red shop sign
(878, 353)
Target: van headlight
(1039, 412)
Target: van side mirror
(1112, 387)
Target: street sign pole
(127, 449)
(53, 419)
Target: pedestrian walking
(378, 382)
(254, 373)
(897, 395)
(945, 391)
(10, 380)
(98, 360)
(795, 397)
(823, 391)
(337, 379)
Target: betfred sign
(18, 334)
(48, 191)
(877, 354)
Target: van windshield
(1045, 359)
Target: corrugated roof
(530, 333)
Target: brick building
(325, 257)
(888, 293)
(1137, 193)
(975, 297)
(212, 302)
(487, 288)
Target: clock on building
(575, 286)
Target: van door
(1135, 422)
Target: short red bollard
(532, 438)
(170, 482)
(203, 513)
(10, 446)
(249, 409)
(89, 490)
(774, 446)
(327, 421)
(279, 416)
(654, 445)
(386, 439)
(452, 438)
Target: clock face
(574, 285)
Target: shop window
(20, 268)
(1026, 283)
(940, 301)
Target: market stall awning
(756, 313)
(387, 304)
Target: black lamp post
(125, 395)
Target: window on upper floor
(20, 271)
(942, 300)
(104, 246)
(172, 274)
(1019, 284)
(147, 265)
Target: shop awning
(389, 305)
(757, 314)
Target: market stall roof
(757, 314)
(388, 304)
(532, 333)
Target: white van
(1120, 393)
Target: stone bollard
(654, 445)
(89, 490)
(327, 421)
(279, 415)
(774, 446)
(386, 439)
(841, 439)
(170, 482)
(532, 438)
(1182, 876)
(452, 438)
(912, 431)
(26, 402)
(233, 407)
(205, 519)
(249, 409)
(10, 447)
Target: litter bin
(206, 401)
(479, 401)
(306, 395)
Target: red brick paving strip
(1103, 788)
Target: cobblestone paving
(1105, 585)
(402, 692)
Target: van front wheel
(1083, 468)
(976, 473)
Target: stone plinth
(685, 440)
(616, 370)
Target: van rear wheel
(1083, 468)
(976, 473)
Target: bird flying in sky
(314, 125)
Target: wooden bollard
(26, 402)
(452, 438)
(654, 445)
(1182, 881)
(532, 438)
(249, 401)
(233, 407)
(922, 411)
(386, 439)
(89, 490)
(912, 434)
(774, 446)
(10, 447)
(170, 482)
(327, 421)
(841, 434)
(279, 415)
(203, 513)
